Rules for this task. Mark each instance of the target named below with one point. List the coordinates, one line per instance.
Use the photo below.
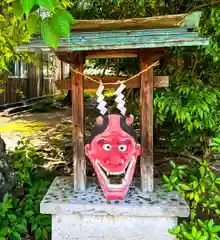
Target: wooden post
(61, 65)
(79, 161)
(146, 105)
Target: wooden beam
(159, 82)
(146, 105)
(69, 57)
(155, 54)
(111, 54)
(167, 21)
(79, 161)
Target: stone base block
(88, 216)
(67, 227)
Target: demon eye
(107, 147)
(122, 148)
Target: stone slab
(78, 227)
(62, 200)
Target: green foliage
(199, 186)
(50, 31)
(61, 21)
(17, 9)
(88, 96)
(200, 230)
(110, 9)
(49, 34)
(45, 3)
(215, 145)
(27, 5)
(20, 215)
(190, 104)
(211, 27)
(10, 28)
(45, 105)
(19, 19)
(24, 160)
(33, 23)
(192, 108)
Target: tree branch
(203, 5)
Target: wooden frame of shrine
(144, 38)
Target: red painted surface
(114, 153)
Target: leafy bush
(24, 160)
(45, 105)
(20, 216)
(198, 184)
(20, 213)
(216, 144)
(191, 108)
(198, 230)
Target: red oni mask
(113, 151)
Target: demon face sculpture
(113, 151)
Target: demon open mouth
(113, 152)
(116, 180)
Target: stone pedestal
(88, 216)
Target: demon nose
(115, 161)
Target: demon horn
(130, 119)
(99, 120)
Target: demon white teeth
(127, 165)
(116, 173)
(116, 186)
(105, 174)
(102, 173)
(132, 162)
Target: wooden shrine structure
(146, 39)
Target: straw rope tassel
(100, 99)
(120, 98)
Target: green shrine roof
(153, 32)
